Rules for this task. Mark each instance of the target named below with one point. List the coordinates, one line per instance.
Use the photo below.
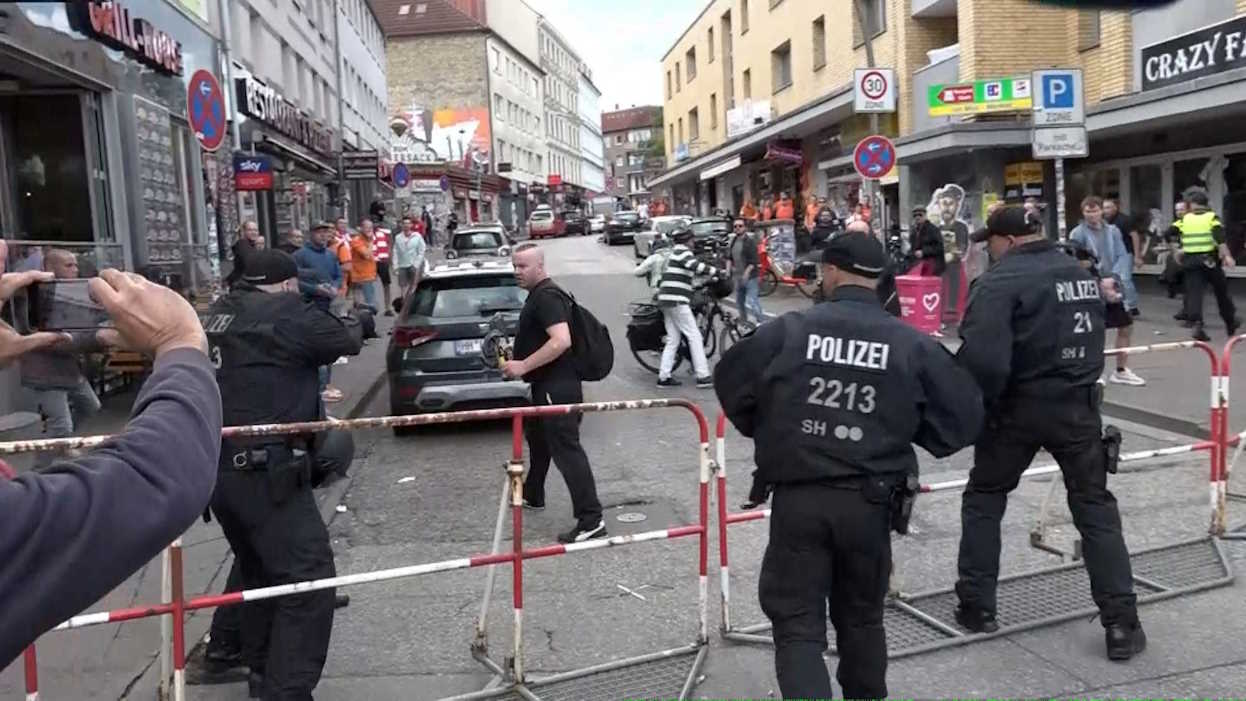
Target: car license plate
(469, 346)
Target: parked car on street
(657, 228)
(575, 223)
(544, 222)
(597, 223)
(622, 226)
(478, 241)
(434, 360)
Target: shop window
(1233, 211)
(47, 161)
(1103, 183)
(1146, 205)
(1188, 174)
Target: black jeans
(558, 438)
(828, 541)
(1069, 428)
(1200, 270)
(286, 639)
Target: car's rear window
(477, 241)
(709, 227)
(483, 295)
(542, 216)
(666, 227)
(627, 215)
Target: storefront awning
(725, 167)
(301, 156)
(1206, 98)
(823, 112)
(960, 137)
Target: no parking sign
(205, 109)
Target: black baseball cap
(1009, 220)
(857, 253)
(270, 267)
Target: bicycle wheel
(651, 360)
(709, 340)
(768, 284)
(728, 336)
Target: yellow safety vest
(1196, 228)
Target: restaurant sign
(268, 106)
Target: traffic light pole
(870, 187)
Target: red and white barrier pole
(31, 665)
(724, 577)
(179, 621)
(515, 473)
(703, 636)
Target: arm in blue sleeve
(738, 375)
(952, 413)
(986, 332)
(74, 532)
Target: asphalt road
(433, 496)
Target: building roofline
(687, 29)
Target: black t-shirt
(1125, 223)
(546, 306)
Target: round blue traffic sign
(874, 157)
(401, 175)
(205, 109)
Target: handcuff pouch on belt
(1111, 448)
(288, 467)
(903, 496)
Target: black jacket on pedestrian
(1034, 324)
(73, 532)
(242, 249)
(844, 389)
(268, 348)
(929, 240)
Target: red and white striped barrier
(178, 605)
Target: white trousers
(680, 321)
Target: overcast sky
(622, 41)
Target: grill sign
(1204, 52)
(112, 24)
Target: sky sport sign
(1215, 49)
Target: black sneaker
(1232, 328)
(215, 667)
(1124, 641)
(533, 505)
(1135, 313)
(582, 533)
(703, 382)
(669, 382)
(1199, 334)
(976, 620)
(1180, 316)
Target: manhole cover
(631, 517)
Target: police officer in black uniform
(833, 397)
(267, 343)
(1033, 338)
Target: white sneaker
(1126, 376)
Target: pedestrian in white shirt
(409, 250)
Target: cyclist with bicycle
(675, 299)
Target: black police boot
(1124, 641)
(976, 620)
(1199, 333)
(207, 666)
(1232, 328)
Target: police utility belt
(261, 457)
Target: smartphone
(64, 305)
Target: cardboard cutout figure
(945, 211)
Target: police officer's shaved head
(858, 227)
(61, 263)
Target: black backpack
(592, 350)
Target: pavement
(409, 638)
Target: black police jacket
(845, 389)
(267, 349)
(1034, 325)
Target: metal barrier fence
(1221, 492)
(512, 669)
(1215, 447)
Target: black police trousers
(333, 451)
(1198, 271)
(828, 541)
(1067, 426)
(285, 639)
(558, 438)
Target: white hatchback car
(657, 227)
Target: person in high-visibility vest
(1203, 257)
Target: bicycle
(775, 273)
(646, 333)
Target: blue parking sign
(1058, 91)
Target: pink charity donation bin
(921, 301)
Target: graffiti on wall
(439, 135)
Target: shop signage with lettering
(112, 24)
(1215, 49)
(1022, 180)
(252, 172)
(788, 151)
(262, 103)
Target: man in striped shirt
(380, 250)
(675, 299)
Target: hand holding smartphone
(63, 305)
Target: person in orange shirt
(341, 248)
(748, 212)
(785, 208)
(767, 209)
(811, 212)
(363, 266)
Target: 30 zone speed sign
(874, 90)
